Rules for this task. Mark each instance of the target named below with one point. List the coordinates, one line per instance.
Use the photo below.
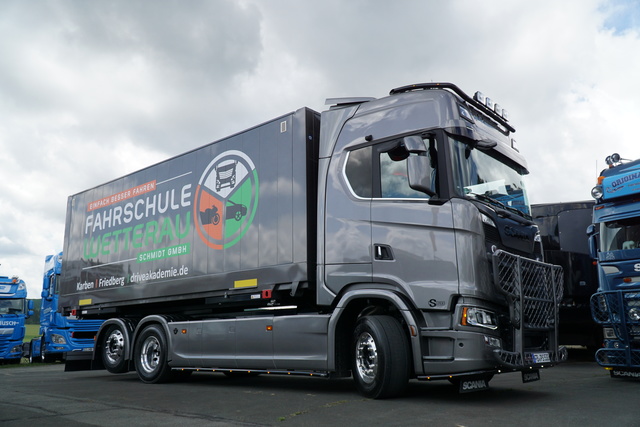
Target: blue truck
(61, 337)
(14, 309)
(615, 241)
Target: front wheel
(44, 356)
(114, 346)
(381, 365)
(150, 355)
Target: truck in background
(387, 239)
(14, 310)
(563, 228)
(615, 241)
(61, 337)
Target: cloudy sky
(92, 90)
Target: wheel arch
(126, 325)
(356, 303)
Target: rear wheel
(381, 365)
(150, 355)
(113, 349)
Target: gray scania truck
(388, 239)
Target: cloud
(90, 91)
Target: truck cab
(61, 337)
(616, 245)
(14, 309)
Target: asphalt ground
(577, 393)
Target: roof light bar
(479, 100)
(490, 104)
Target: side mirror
(592, 232)
(419, 173)
(414, 144)
(29, 308)
(593, 246)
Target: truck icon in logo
(226, 175)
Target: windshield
(475, 172)
(11, 306)
(622, 234)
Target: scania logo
(474, 385)
(513, 232)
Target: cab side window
(394, 181)
(380, 171)
(359, 172)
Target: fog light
(492, 341)
(634, 314)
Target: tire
(114, 350)
(150, 355)
(381, 363)
(44, 358)
(31, 358)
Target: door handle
(382, 252)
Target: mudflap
(530, 375)
(473, 384)
(78, 361)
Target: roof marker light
(489, 103)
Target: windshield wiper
(521, 217)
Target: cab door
(413, 241)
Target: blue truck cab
(14, 309)
(60, 337)
(615, 242)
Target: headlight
(596, 192)
(487, 220)
(16, 349)
(474, 316)
(58, 339)
(634, 314)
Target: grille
(624, 357)
(533, 291)
(620, 311)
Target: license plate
(541, 358)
